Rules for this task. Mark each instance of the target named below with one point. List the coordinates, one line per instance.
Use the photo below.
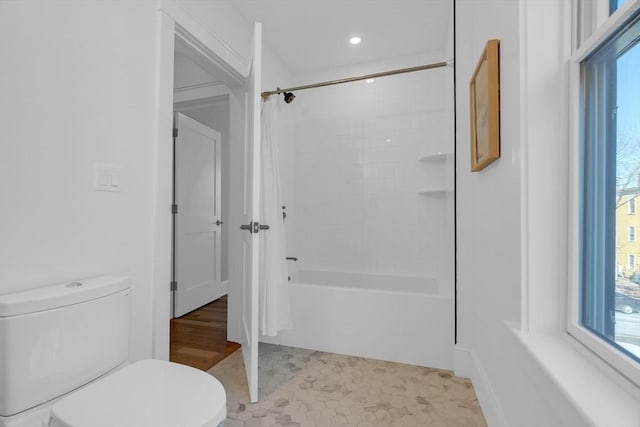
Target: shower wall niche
(373, 173)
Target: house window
(614, 5)
(631, 206)
(609, 161)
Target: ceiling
(314, 35)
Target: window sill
(600, 393)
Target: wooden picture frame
(484, 97)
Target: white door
(197, 221)
(251, 210)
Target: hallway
(199, 338)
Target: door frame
(175, 25)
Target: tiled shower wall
(357, 174)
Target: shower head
(288, 97)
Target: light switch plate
(107, 177)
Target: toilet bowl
(62, 352)
(148, 393)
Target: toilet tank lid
(60, 295)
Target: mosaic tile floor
(310, 388)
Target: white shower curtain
(275, 306)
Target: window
(614, 5)
(608, 164)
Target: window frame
(619, 360)
(631, 206)
(632, 233)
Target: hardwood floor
(199, 338)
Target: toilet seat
(148, 393)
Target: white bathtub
(398, 319)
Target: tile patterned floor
(310, 388)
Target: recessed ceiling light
(355, 40)
(369, 80)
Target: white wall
(511, 229)
(85, 71)
(77, 88)
(488, 204)
(357, 173)
(221, 19)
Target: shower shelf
(435, 156)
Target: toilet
(63, 352)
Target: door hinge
(175, 132)
(174, 286)
(174, 209)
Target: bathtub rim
(347, 288)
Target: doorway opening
(180, 32)
(200, 243)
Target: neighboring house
(627, 229)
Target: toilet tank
(57, 338)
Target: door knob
(218, 222)
(254, 227)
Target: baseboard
(467, 365)
(462, 362)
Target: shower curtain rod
(267, 94)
